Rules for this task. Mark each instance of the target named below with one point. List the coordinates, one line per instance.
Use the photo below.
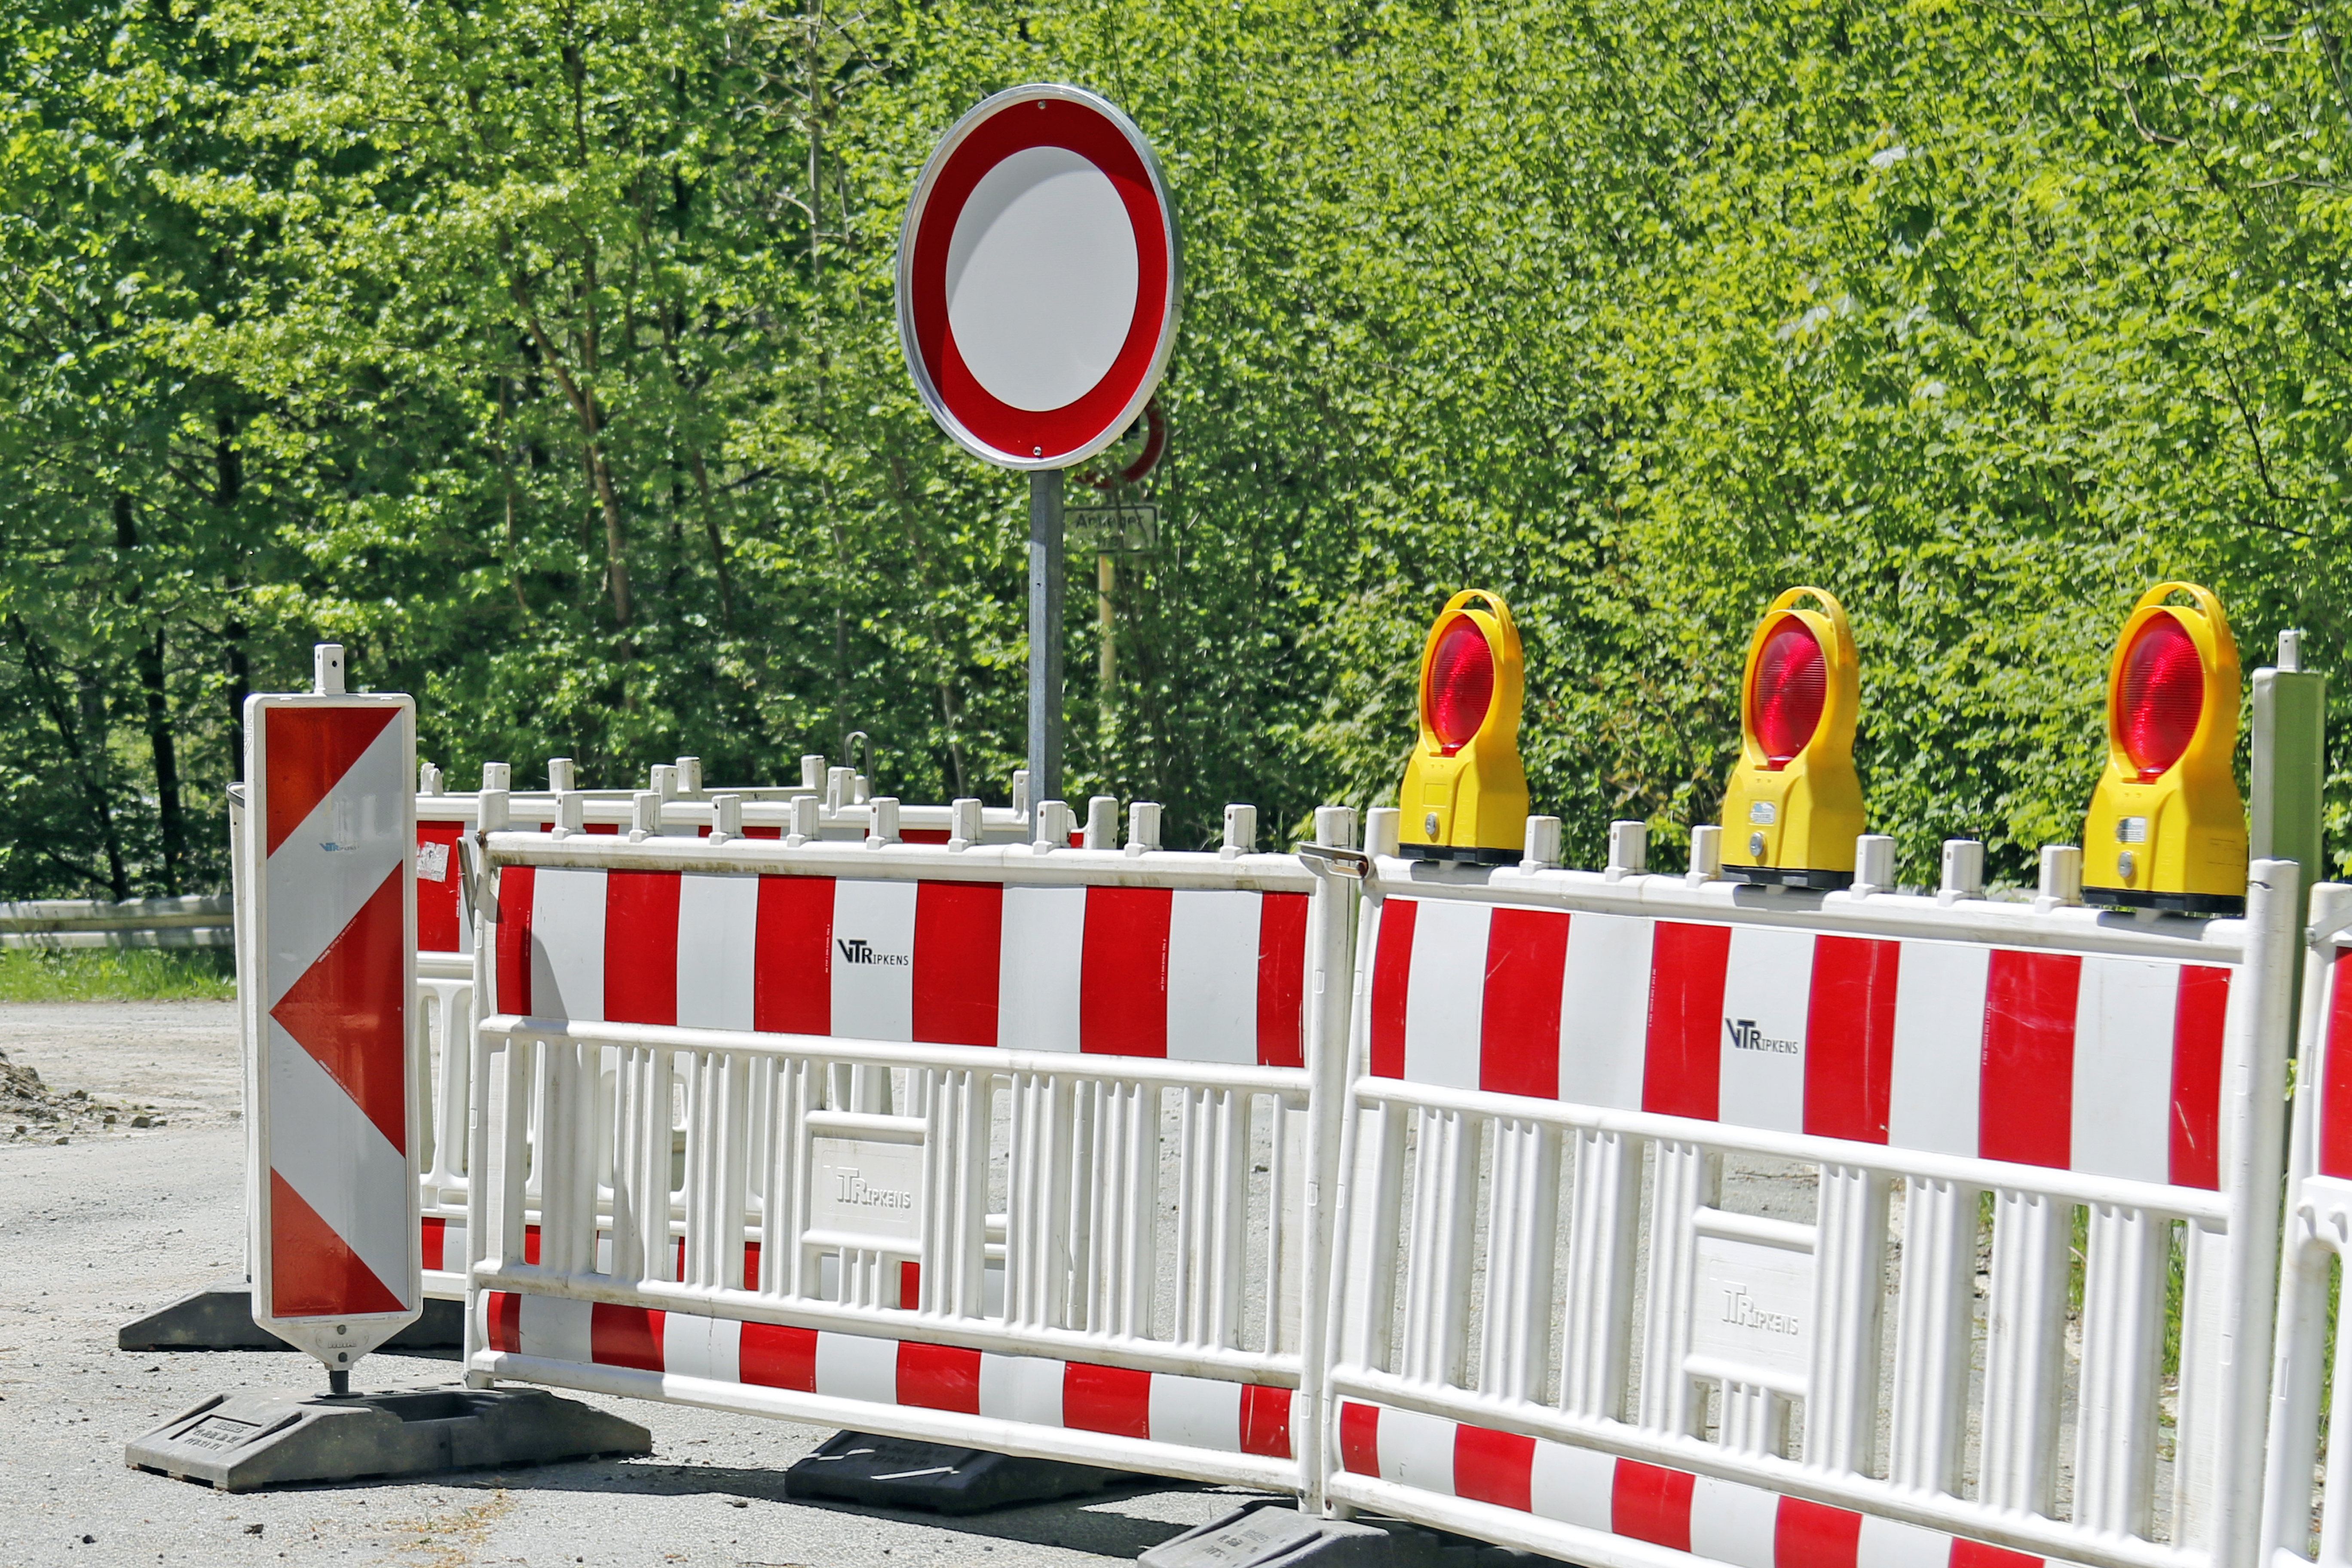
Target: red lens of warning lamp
(2163, 696)
(1792, 685)
(1461, 685)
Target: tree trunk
(150, 661)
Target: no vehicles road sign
(1038, 278)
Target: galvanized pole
(1045, 637)
(2290, 776)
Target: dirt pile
(33, 1112)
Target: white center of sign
(1042, 278)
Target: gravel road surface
(116, 1222)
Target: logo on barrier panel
(331, 869)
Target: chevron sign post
(331, 877)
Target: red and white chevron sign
(329, 847)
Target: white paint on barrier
(2122, 1122)
(1938, 1047)
(1604, 1021)
(1441, 1004)
(717, 925)
(1213, 938)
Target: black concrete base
(239, 1442)
(1787, 877)
(1270, 1533)
(896, 1472)
(220, 1318)
(2223, 904)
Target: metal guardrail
(198, 921)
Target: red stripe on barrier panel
(2335, 1077)
(2197, 1021)
(1359, 1425)
(1518, 1024)
(436, 902)
(1493, 1466)
(350, 1011)
(775, 1356)
(1281, 980)
(1977, 1554)
(770, 832)
(515, 887)
(612, 829)
(310, 749)
(923, 834)
(1113, 1399)
(624, 1336)
(1266, 1420)
(2026, 1104)
(1850, 1037)
(751, 1266)
(792, 956)
(1682, 1069)
(641, 947)
(910, 1285)
(502, 1321)
(433, 1236)
(1814, 1535)
(959, 954)
(531, 1244)
(1652, 1503)
(939, 1377)
(1391, 984)
(1123, 974)
(313, 1273)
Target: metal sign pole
(1045, 587)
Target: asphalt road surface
(115, 1221)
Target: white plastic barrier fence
(1004, 1146)
(445, 924)
(1558, 1326)
(2318, 1236)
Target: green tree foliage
(542, 353)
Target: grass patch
(117, 974)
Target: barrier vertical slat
(1331, 1001)
(638, 1208)
(955, 1153)
(2200, 1410)
(2025, 1321)
(2254, 1077)
(1850, 1269)
(1936, 1300)
(1604, 1203)
(1133, 1211)
(1376, 1176)
(1036, 1273)
(1514, 1336)
(1685, 1177)
(2123, 1329)
(1437, 1263)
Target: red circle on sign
(1005, 126)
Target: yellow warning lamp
(1466, 796)
(2167, 830)
(1793, 807)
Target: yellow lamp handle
(1502, 611)
(1829, 607)
(2206, 604)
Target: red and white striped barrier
(753, 1089)
(1636, 1507)
(1191, 974)
(2105, 1065)
(2318, 1242)
(330, 911)
(555, 1339)
(1555, 1329)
